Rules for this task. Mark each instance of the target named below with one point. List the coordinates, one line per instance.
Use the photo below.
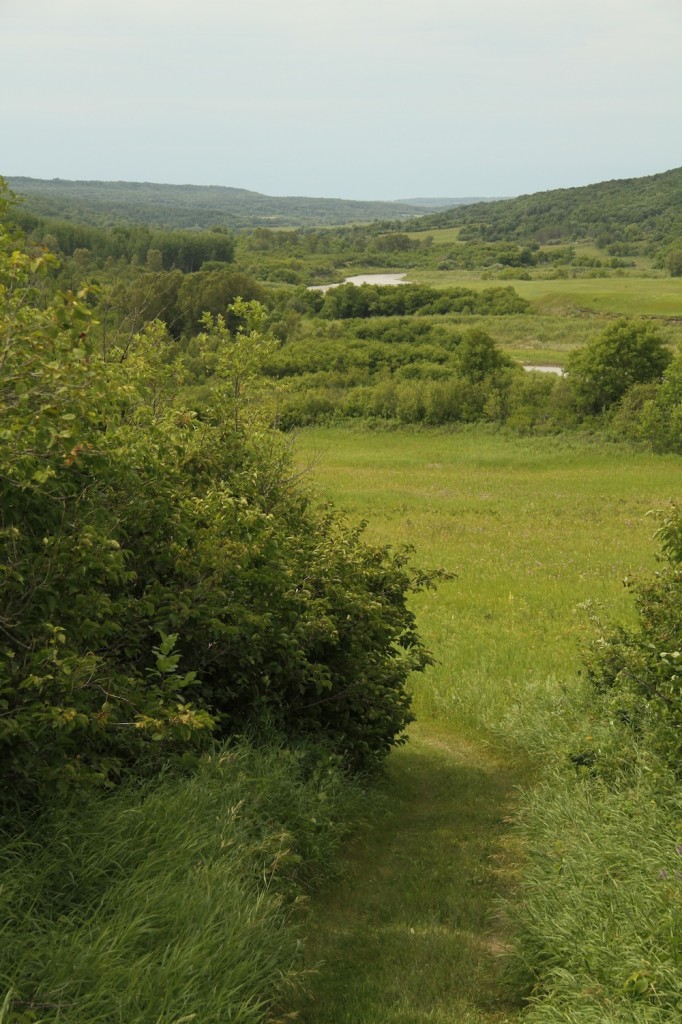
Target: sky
(355, 99)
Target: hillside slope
(191, 206)
(628, 211)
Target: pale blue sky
(350, 98)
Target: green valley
(341, 623)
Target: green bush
(661, 417)
(638, 671)
(162, 573)
(625, 353)
(369, 300)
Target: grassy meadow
(533, 528)
(622, 296)
(540, 533)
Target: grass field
(538, 338)
(441, 236)
(626, 296)
(533, 528)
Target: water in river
(362, 279)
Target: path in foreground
(409, 933)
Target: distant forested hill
(191, 206)
(625, 212)
(443, 204)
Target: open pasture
(624, 296)
(533, 528)
(440, 236)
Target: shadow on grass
(410, 933)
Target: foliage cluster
(178, 299)
(334, 369)
(138, 537)
(638, 670)
(305, 256)
(415, 371)
(349, 301)
(624, 354)
(192, 206)
(183, 250)
(652, 413)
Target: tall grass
(533, 528)
(169, 904)
(599, 916)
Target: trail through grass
(533, 528)
(411, 932)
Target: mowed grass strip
(411, 932)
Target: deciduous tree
(625, 353)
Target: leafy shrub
(638, 670)
(162, 573)
(368, 300)
(625, 353)
(84, 682)
(661, 417)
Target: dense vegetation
(192, 206)
(139, 536)
(624, 214)
(169, 586)
(412, 354)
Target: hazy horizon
(338, 100)
(240, 188)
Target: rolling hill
(192, 206)
(626, 213)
